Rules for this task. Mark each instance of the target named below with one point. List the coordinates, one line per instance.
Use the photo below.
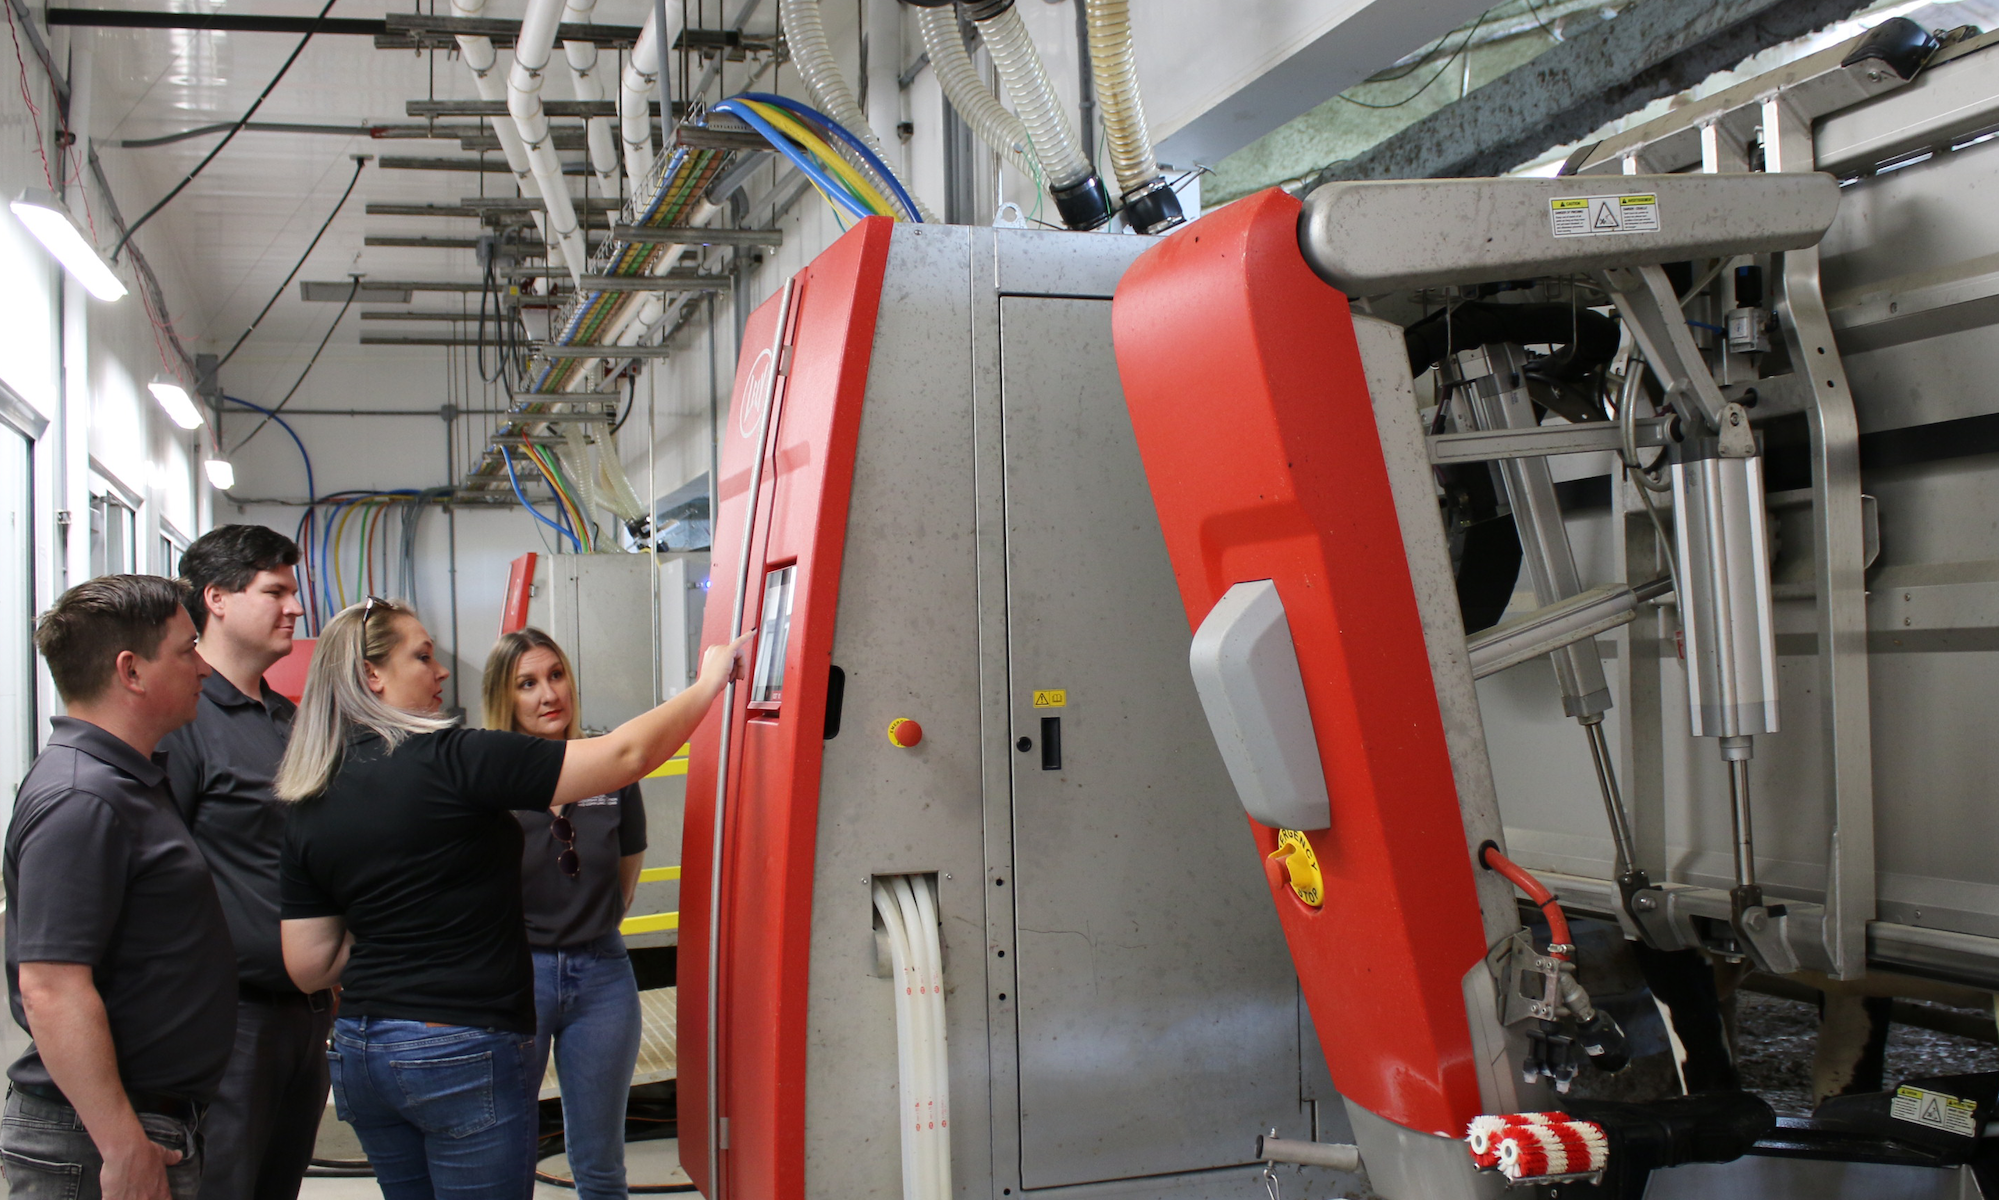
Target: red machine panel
(520, 587)
(771, 817)
(1252, 413)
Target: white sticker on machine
(1599, 216)
(1936, 1110)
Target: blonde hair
(497, 689)
(337, 699)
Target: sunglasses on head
(368, 610)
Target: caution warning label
(1595, 216)
(1051, 698)
(1936, 1110)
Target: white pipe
(931, 948)
(480, 56)
(532, 51)
(636, 88)
(589, 85)
(904, 982)
(925, 1037)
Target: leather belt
(161, 1104)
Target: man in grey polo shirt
(243, 596)
(118, 957)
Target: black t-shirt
(101, 871)
(566, 912)
(419, 853)
(220, 768)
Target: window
(17, 611)
(166, 555)
(773, 637)
(114, 535)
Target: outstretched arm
(594, 766)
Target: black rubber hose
(1588, 339)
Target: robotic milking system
(1067, 550)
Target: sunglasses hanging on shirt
(570, 862)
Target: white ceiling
(225, 243)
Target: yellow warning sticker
(1937, 1110)
(1051, 698)
(1596, 216)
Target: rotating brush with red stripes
(1533, 1145)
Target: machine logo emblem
(756, 394)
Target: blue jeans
(442, 1111)
(587, 1002)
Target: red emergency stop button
(904, 732)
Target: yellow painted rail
(677, 765)
(654, 922)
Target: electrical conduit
(532, 51)
(908, 911)
(1149, 205)
(904, 982)
(930, 952)
(805, 34)
(1079, 194)
(589, 85)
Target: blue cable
(311, 492)
(575, 542)
(835, 190)
(840, 131)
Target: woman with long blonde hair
(401, 882)
(579, 868)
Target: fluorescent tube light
(52, 225)
(220, 473)
(174, 398)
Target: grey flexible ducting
(1079, 194)
(968, 93)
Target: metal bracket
(1760, 927)
(1651, 308)
(1513, 961)
(1493, 445)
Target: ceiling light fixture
(220, 473)
(50, 222)
(174, 398)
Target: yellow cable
(824, 153)
(562, 496)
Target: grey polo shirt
(220, 769)
(101, 871)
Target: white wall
(102, 356)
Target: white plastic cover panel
(1246, 672)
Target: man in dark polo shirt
(243, 596)
(118, 957)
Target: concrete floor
(645, 1162)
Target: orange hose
(1520, 877)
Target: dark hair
(229, 557)
(91, 624)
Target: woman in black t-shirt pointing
(401, 881)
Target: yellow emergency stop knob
(1294, 852)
